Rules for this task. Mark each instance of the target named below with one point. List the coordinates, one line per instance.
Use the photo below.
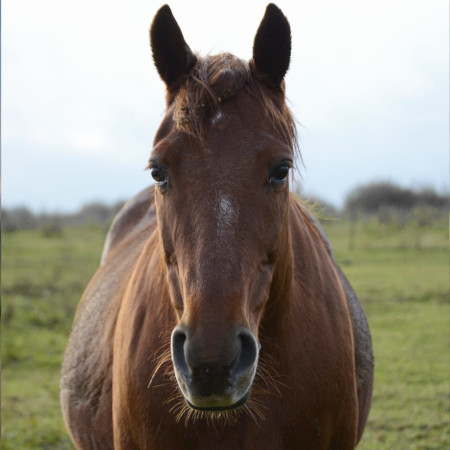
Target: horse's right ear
(172, 56)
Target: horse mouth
(219, 408)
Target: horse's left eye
(279, 174)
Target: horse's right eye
(159, 175)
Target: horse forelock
(218, 78)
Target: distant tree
(18, 219)
(395, 206)
(95, 212)
(428, 197)
(373, 197)
(52, 224)
(51, 230)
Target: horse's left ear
(173, 57)
(272, 47)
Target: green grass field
(400, 275)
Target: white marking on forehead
(227, 215)
(218, 116)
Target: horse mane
(218, 78)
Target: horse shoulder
(86, 371)
(364, 359)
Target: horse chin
(218, 408)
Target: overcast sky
(81, 100)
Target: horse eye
(159, 175)
(279, 175)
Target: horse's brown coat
(221, 247)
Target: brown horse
(218, 318)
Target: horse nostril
(249, 352)
(178, 355)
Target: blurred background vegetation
(391, 242)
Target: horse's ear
(272, 47)
(172, 56)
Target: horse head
(221, 162)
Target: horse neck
(301, 272)
(281, 289)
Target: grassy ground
(42, 280)
(403, 283)
(401, 276)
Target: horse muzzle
(214, 375)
